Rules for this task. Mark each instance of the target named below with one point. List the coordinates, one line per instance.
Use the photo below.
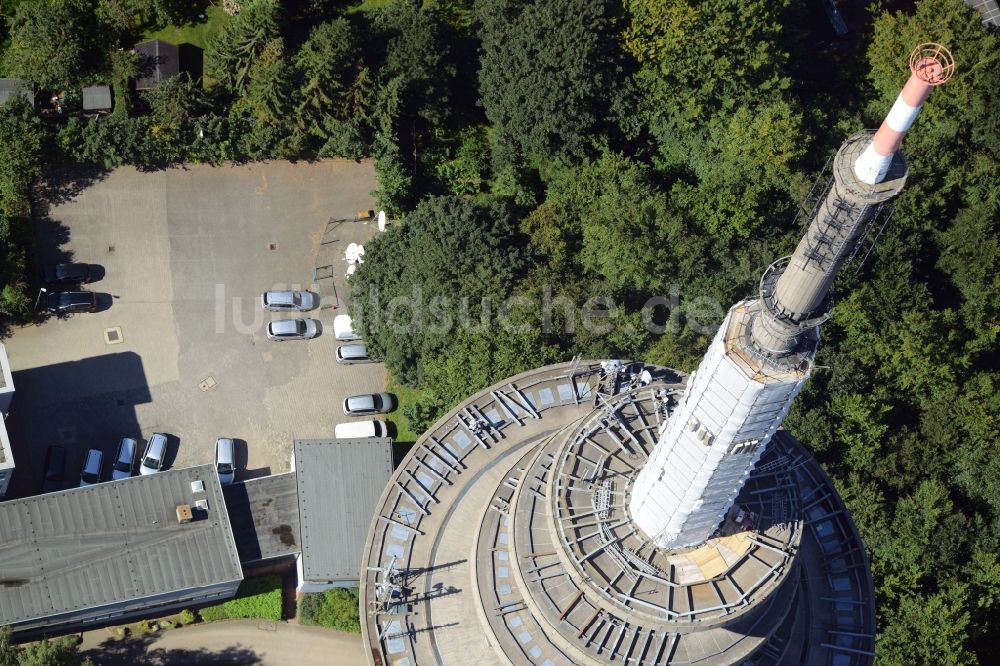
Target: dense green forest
(581, 177)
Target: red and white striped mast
(930, 65)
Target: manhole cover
(67, 434)
(113, 335)
(272, 246)
(207, 383)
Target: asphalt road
(183, 255)
(229, 642)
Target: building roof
(158, 61)
(111, 543)
(10, 87)
(989, 8)
(97, 98)
(6, 456)
(339, 484)
(6, 386)
(264, 513)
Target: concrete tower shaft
(794, 292)
(764, 350)
(868, 170)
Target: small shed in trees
(97, 99)
(11, 87)
(158, 61)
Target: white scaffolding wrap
(708, 448)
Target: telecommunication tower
(622, 513)
(763, 353)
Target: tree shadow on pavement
(136, 650)
(63, 181)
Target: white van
(343, 329)
(360, 429)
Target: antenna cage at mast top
(932, 63)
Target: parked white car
(343, 328)
(360, 430)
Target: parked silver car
(288, 301)
(291, 329)
(91, 472)
(124, 459)
(152, 458)
(368, 403)
(357, 353)
(225, 460)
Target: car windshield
(123, 466)
(377, 402)
(151, 462)
(225, 468)
(88, 477)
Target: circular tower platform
(504, 537)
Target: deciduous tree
(928, 629)
(52, 42)
(431, 275)
(697, 58)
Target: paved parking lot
(185, 254)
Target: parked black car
(55, 469)
(67, 273)
(65, 302)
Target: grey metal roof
(4, 446)
(264, 514)
(989, 8)
(5, 376)
(97, 98)
(339, 483)
(11, 87)
(112, 542)
(158, 61)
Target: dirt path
(230, 642)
